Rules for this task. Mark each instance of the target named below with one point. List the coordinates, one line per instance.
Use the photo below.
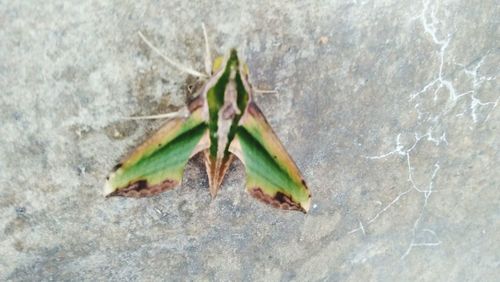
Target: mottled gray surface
(388, 107)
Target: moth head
(222, 61)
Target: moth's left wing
(272, 175)
(158, 164)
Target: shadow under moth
(222, 122)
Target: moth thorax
(230, 107)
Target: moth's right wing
(158, 164)
(272, 175)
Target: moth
(222, 122)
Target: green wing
(272, 176)
(158, 164)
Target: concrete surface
(390, 109)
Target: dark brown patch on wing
(142, 189)
(254, 110)
(280, 200)
(116, 167)
(196, 103)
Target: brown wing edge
(279, 201)
(142, 189)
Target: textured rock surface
(388, 107)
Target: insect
(222, 122)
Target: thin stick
(170, 61)
(208, 56)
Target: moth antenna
(170, 61)
(184, 112)
(208, 56)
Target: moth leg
(208, 56)
(173, 63)
(263, 91)
(182, 113)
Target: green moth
(223, 121)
